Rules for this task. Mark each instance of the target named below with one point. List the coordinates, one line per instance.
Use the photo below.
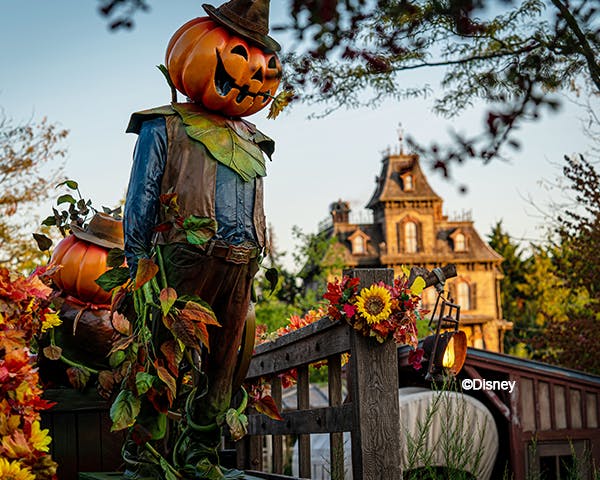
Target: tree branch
(586, 49)
(473, 58)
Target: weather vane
(401, 137)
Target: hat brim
(81, 234)
(264, 41)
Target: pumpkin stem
(165, 72)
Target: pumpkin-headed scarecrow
(196, 192)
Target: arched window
(408, 182)
(358, 245)
(460, 244)
(410, 237)
(463, 294)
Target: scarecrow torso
(204, 186)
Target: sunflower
(13, 471)
(374, 304)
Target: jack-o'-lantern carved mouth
(224, 83)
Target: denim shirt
(234, 198)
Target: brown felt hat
(103, 230)
(247, 18)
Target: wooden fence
(370, 413)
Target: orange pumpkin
(225, 73)
(82, 263)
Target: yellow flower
(51, 320)
(14, 471)
(39, 438)
(23, 391)
(374, 304)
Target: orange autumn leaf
(266, 405)
(146, 271)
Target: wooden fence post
(374, 390)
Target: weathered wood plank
(277, 393)
(71, 401)
(336, 439)
(309, 348)
(314, 328)
(65, 445)
(374, 369)
(88, 440)
(304, 460)
(318, 420)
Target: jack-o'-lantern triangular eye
(240, 50)
(272, 63)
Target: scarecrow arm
(142, 201)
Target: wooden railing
(370, 412)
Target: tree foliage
(28, 172)
(552, 296)
(513, 55)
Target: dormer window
(408, 183)
(460, 243)
(358, 242)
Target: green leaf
(167, 298)
(66, 198)
(72, 184)
(143, 382)
(115, 257)
(113, 278)
(208, 471)
(43, 242)
(166, 74)
(157, 426)
(238, 424)
(272, 276)
(168, 470)
(124, 410)
(116, 358)
(49, 221)
(225, 144)
(199, 230)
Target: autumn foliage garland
(24, 313)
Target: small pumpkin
(82, 263)
(212, 66)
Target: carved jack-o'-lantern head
(226, 62)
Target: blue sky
(60, 61)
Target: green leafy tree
(28, 173)
(514, 267)
(561, 286)
(513, 300)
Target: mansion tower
(409, 228)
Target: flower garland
(379, 310)
(24, 313)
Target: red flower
(349, 310)
(415, 357)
